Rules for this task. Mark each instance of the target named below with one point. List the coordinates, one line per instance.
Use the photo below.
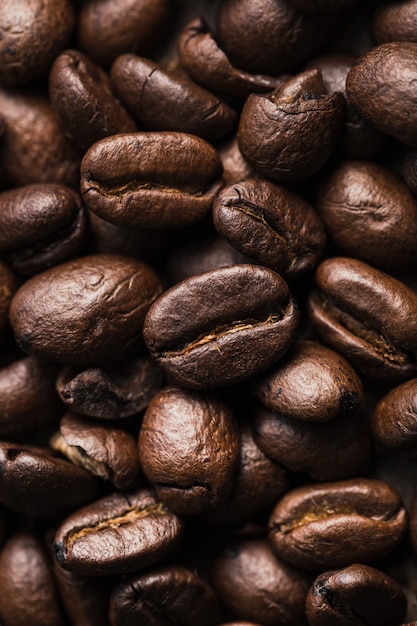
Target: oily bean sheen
(379, 87)
(101, 321)
(312, 384)
(222, 326)
(395, 21)
(188, 447)
(360, 197)
(332, 524)
(394, 420)
(288, 134)
(40, 225)
(165, 100)
(357, 595)
(151, 180)
(270, 224)
(164, 597)
(367, 316)
(120, 533)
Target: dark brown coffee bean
(394, 21)
(208, 65)
(360, 197)
(120, 533)
(270, 224)
(164, 597)
(151, 180)
(288, 134)
(240, 320)
(28, 592)
(35, 483)
(270, 36)
(8, 287)
(312, 384)
(323, 5)
(235, 167)
(165, 100)
(112, 392)
(41, 225)
(409, 170)
(254, 584)
(28, 400)
(394, 420)
(107, 29)
(107, 452)
(332, 524)
(189, 447)
(101, 321)
(358, 595)
(367, 316)
(34, 32)
(82, 99)
(309, 447)
(34, 147)
(379, 87)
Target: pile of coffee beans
(208, 312)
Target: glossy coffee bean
(41, 225)
(83, 102)
(271, 225)
(254, 584)
(367, 316)
(150, 180)
(188, 448)
(358, 197)
(394, 420)
(8, 287)
(288, 135)
(112, 392)
(378, 86)
(357, 595)
(332, 524)
(312, 384)
(29, 594)
(34, 32)
(102, 320)
(323, 5)
(118, 534)
(108, 453)
(168, 101)
(235, 166)
(164, 597)
(394, 21)
(240, 320)
(40, 485)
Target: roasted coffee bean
(164, 597)
(288, 135)
(82, 99)
(394, 21)
(34, 32)
(102, 320)
(37, 484)
(332, 524)
(112, 392)
(235, 167)
(323, 5)
(254, 584)
(41, 225)
(312, 384)
(394, 420)
(151, 180)
(34, 147)
(270, 36)
(367, 316)
(120, 533)
(8, 287)
(359, 197)
(270, 224)
(188, 448)
(106, 29)
(28, 400)
(106, 452)
(164, 100)
(222, 326)
(208, 65)
(379, 87)
(358, 595)
(28, 592)
(409, 170)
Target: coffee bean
(8, 287)
(394, 21)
